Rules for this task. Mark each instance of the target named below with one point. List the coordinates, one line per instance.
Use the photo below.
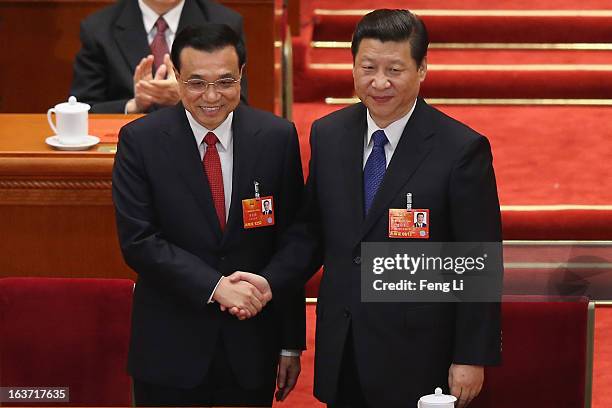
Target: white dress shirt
(225, 147)
(393, 132)
(149, 17)
(172, 17)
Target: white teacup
(71, 119)
(437, 400)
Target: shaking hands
(243, 294)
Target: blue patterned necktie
(374, 170)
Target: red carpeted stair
(478, 81)
(458, 66)
(469, 26)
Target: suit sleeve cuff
(290, 353)
(210, 299)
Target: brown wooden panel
(39, 39)
(60, 241)
(56, 214)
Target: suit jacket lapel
(413, 147)
(130, 35)
(246, 152)
(181, 146)
(351, 148)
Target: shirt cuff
(290, 353)
(210, 299)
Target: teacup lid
(72, 106)
(438, 398)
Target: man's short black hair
(393, 25)
(209, 38)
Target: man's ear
(422, 71)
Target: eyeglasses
(197, 85)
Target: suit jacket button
(347, 313)
(357, 260)
(222, 258)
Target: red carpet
(543, 155)
(532, 166)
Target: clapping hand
(161, 89)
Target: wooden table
(56, 214)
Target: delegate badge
(411, 223)
(258, 212)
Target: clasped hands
(243, 294)
(159, 89)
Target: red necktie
(159, 46)
(212, 168)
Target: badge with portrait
(405, 223)
(258, 212)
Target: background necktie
(374, 170)
(159, 46)
(212, 168)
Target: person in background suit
(179, 181)
(121, 66)
(393, 143)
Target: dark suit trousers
(219, 388)
(349, 394)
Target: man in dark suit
(266, 207)
(420, 221)
(183, 178)
(115, 70)
(365, 159)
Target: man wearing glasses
(187, 182)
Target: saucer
(88, 141)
